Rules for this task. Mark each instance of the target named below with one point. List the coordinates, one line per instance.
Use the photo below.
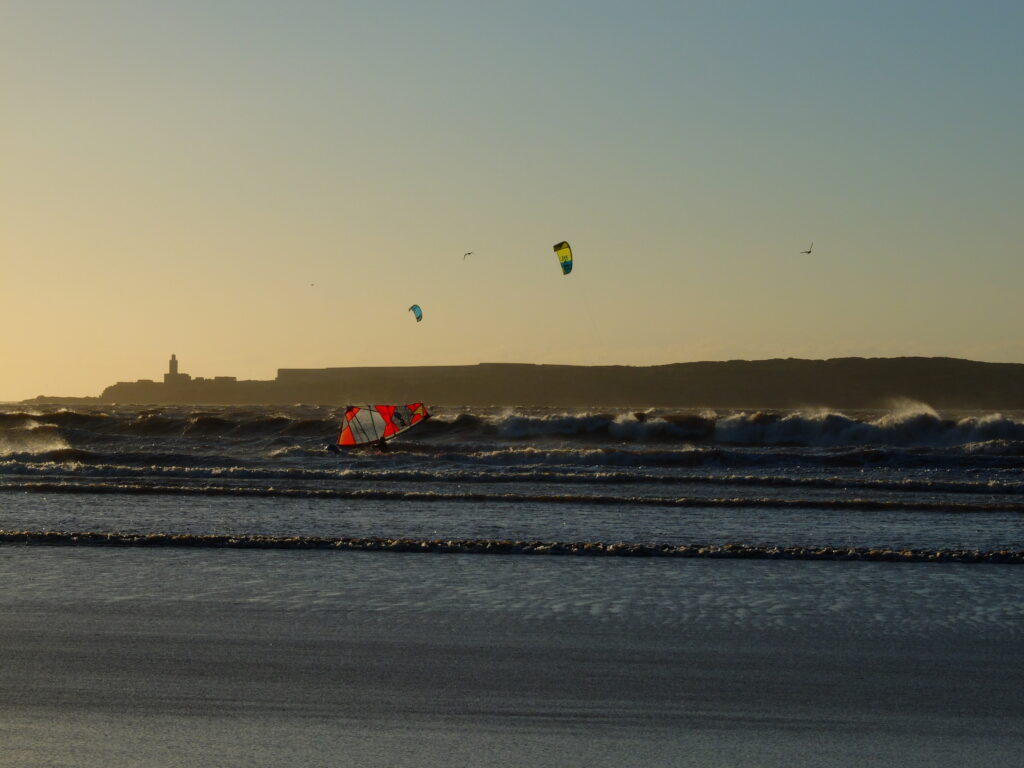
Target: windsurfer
(370, 426)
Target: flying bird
(467, 253)
(809, 249)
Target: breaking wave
(73, 467)
(909, 426)
(48, 445)
(658, 471)
(26, 437)
(510, 547)
(148, 488)
(920, 426)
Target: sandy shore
(271, 659)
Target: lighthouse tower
(172, 376)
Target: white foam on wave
(287, 451)
(995, 448)
(554, 456)
(516, 426)
(626, 427)
(908, 424)
(31, 438)
(532, 472)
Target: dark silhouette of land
(781, 383)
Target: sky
(255, 185)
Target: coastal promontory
(778, 383)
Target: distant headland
(848, 382)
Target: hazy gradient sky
(174, 176)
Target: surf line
(683, 502)
(509, 547)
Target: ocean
(910, 478)
(511, 586)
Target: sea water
(911, 478)
(192, 655)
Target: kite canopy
(415, 309)
(564, 256)
(363, 424)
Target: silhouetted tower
(172, 376)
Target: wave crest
(32, 439)
(910, 425)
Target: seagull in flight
(809, 249)
(467, 253)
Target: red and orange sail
(364, 424)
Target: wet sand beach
(123, 658)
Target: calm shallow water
(633, 594)
(171, 658)
(529, 521)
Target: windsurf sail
(364, 424)
(564, 253)
(417, 312)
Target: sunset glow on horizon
(255, 186)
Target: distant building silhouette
(172, 376)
